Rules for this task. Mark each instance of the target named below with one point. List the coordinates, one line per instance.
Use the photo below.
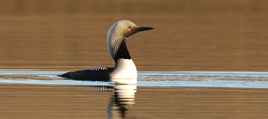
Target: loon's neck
(122, 52)
(124, 66)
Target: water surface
(36, 94)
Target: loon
(116, 43)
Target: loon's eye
(129, 28)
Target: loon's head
(119, 32)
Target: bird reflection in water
(123, 98)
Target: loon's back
(93, 74)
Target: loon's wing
(101, 73)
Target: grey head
(119, 33)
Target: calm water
(189, 36)
(41, 94)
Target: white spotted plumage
(97, 68)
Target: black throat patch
(122, 52)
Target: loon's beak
(143, 28)
(138, 29)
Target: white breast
(125, 68)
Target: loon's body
(117, 47)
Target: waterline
(147, 78)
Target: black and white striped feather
(100, 73)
